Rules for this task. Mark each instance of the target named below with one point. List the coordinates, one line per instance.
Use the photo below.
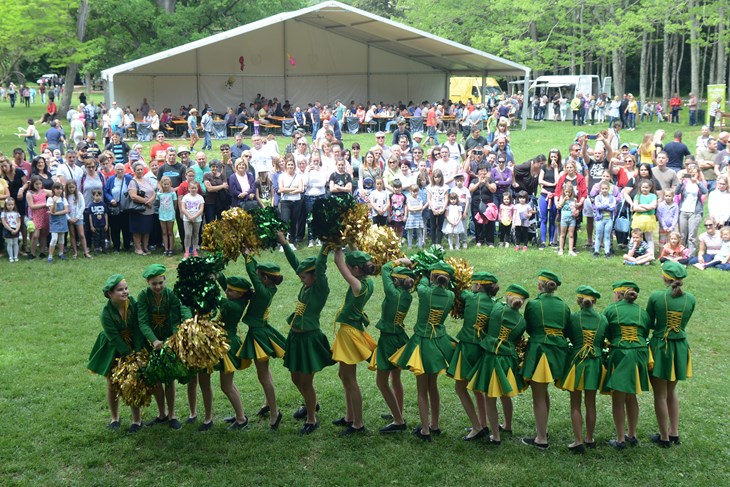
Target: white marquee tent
(325, 52)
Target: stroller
(533, 230)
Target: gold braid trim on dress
(558, 332)
(398, 319)
(480, 323)
(589, 336)
(503, 336)
(629, 333)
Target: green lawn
(53, 412)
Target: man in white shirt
(261, 157)
(116, 116)
(456, 151)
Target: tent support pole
(197, 78)
(524, 101)
(483, 87)
(109, 91)
(367, 71)
(284, 57)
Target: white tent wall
(325, 67)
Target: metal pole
(524, 100)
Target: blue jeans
(206, 141)
(632, 120)
(692, 118)
(547, 218)
(315, 127)
(308, 205)
(604, 226)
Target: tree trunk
(694, 48)
(643, 66)
(666, 56)
(618, 58)
(89, 82)
(166, 5)
(81, 20)
(678, 65)
(721, 49)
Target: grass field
(53, 412)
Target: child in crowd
(568, 215)
(722, 257)
(264, 186)
(76, 205)
(58, 225)
(340, 181)
(644, 216)
(668, 215)
(454, 221)
(638, 251)
(167, 199)
(192, 215)
(414, 221)
(397, 209)
(505, 218)
(11, 228)
(362, 195)
(521, 213)
(604, 207)
(39, 215)
(464, 200)
(256, 123)
(674, 250)
(271, 144)
(98, 221)
(379, 203)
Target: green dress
(262, 340)
(628, 361)
(158, 319)
(496, 373)
(352, 343)
(307, 349)
(584, 370)
(118, 338)
(477, 308)
(230, 312)
(547, 317)
(430, 348)
(668, 318)
(393, 312)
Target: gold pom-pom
(520, 347)
(128, 383)
(232, 234)
(462, 279)
(199, 343)
(382, 243)
(354, 225)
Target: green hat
(518, 291)
(239, 284)
(483, 277)
(357, 258)
(269, 268)
(307, 265)
(442, 268)
(403, 272)
(111, 283)
(546, 275)
(588, 292)
(619, 286)
(673, 270)
(154, 270)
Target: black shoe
(632, 441)
(229, 419)
(675, 440)
(590, 444)
(386, 416)
(350, 430)
(275, 426)
(309, 428)
(114, 425)
(236, 425)
(134, 428)
(617, 445)
(657, 439)
(492, 441)
(580, 448)
(31, 256)
(541, 246)
(301, 413)
(421, 436)
(596, 255)
(191, 419)
(502, 430)
(175, 424)
(482, 433)
(157, 420)
(531, 442)
(205, 426)
(393, 428)
(263, 411)
(435, 431)
(342, 422)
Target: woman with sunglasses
(548, 179)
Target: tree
(82, 18)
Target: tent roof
(367, 28)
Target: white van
(568, 86)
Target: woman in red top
(675, 104)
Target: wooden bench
(270, 127)
(368, 126)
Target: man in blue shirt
(676, 151)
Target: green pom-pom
(424, 259)
(165, 367)
(195, 286)
(327, 216)
(268, 224)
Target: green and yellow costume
(393, 312)
(262, 340)
(430, 348)
(584, 370)
(307, 349)
(477, 309)
(547, 317)
(160, 316)
(628, 361)
(229, 314)
(352, 343)
(668, 318)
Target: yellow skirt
(352, 346)
(647, 223)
